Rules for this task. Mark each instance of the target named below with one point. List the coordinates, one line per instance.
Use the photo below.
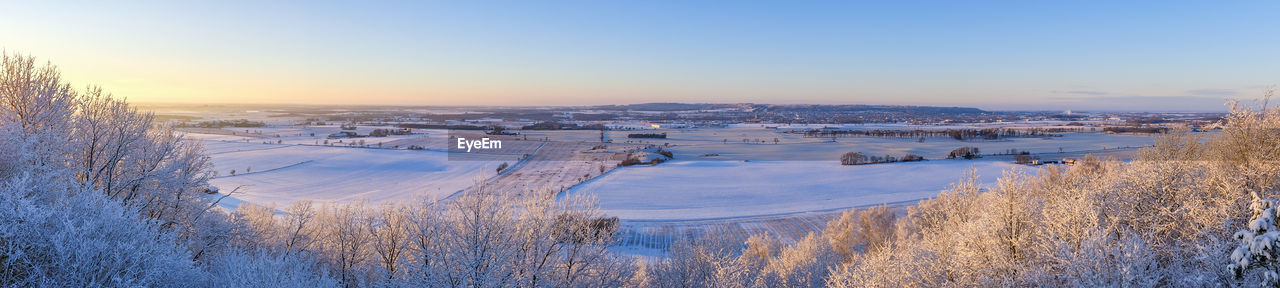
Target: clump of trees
(857, 158)
(635, 159)
(853, 158)
(1135, 129)
(964, 152)
(1024, 157)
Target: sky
(1014, 55)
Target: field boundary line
(265, 171)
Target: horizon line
(145, 103)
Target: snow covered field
(796, 175)
(282, 174)
(699, 190)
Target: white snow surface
(283, 174)
(701, 190)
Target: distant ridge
(670, 106)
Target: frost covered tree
(480, 245)
(695, 262)
(855, 231)
(426, 245)
(36, 110)
(715, 260)
(56, 231)
(345, 243)
(95, 194)
(803, 264)
(390, 240)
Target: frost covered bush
(870, 229)
(238, 268)
(715, 260)
(84, 240)
(1259, 248)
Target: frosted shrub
(1258, 243)
(84, 240)
(237, 268)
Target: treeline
(648, 135)
(1135, 129)
(240, 123)
(957, 134)
(857, 158)
(390, 132)
(441, 126)
(563, 126)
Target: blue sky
(1082, 55)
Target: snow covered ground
(282, 174)
(701, 190)
(798, 174)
